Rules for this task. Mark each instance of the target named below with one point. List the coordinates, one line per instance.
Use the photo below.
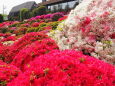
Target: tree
(1, 18)
(39, 11)
(24, 14)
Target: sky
(8, 4)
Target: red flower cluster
(10, 38)
(7, 73)
(10, 51)
(5, 35)
(66, 68)
(34, 50)
(35, 24)
(112, 36)
(63, 18)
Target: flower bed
(29, 57)
(66, 68)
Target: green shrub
(39, 11)
(1, 18)
(3, 30)
(11, 31)
(24, 14)
(42, 26)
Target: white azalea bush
(90, 28)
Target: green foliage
(39, 11)
(41, 26)
(32, 29)
(1, 18)
(15, 25)
(24, 14)
(36, 29)
(3, 83)
(3, 30)
(31, 14)
(54, 24)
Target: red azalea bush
(5, 35)
(10, 38)
(8, 52)
(66, 68)
(20, 31)
(35, 24)
(34, 50)
(1, 44)
(7, 73)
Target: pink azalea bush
(66, 68)
(47, 16)
(7, 73)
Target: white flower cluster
(90, 28)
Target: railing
(53, 2)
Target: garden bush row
(29, 57)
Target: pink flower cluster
(66, 68)
(47, 16)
